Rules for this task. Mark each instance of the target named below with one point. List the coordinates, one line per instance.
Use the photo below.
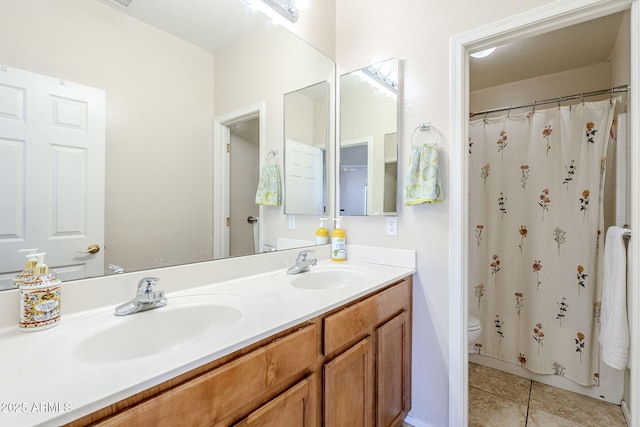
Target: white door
(52, 150)
(304, 176)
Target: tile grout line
(526, 418)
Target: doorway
(537, 21)
(238, 147)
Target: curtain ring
(582, 98)
(559, 101)
(509, 112)
(534, 107)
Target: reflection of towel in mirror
(422, 182)
(269, 193)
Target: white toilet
(474, 327)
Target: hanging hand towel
(269, 193)
(614, 329)
(422, 182)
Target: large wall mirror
(368, 140)
(165, 72)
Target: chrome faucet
(145, 299)
(302, 263)
(116, 269)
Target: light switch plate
(292, 222)
(392, 226)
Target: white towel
(614, 329)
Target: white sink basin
(327, 277)
(185, 320)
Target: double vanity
(239, 342)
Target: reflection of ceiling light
(382, 77)
(286, 8)
(125, 3)
(279, 10)
(483, 53)
(302, 4)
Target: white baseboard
(625, 411)
(416, 422)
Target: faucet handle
(302, 255)
(146, 284)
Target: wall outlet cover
(392, 226)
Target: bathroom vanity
(327, 347)
(348, 367)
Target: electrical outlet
(292, 222)
(392, 226)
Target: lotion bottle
(40, 298)
(28, 267)
(338, 242)
(322, 234)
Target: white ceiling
(210, 24)
(581, 45)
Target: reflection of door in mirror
(306, 132)
(244, 175)
(304, 178)
(52, 142)
(355, 175)
(368, 106)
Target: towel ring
(272, 155)
(425, 127)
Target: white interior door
(52, 143)
(304, 174)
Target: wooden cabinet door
(349, 387)
(295, 407)
(393, 371)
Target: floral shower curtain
(536, 183)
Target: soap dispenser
(338, 242)
(28, 267)
(322, 234)
(40, 298)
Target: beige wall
(418, 32)
(159, 93)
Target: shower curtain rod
(616, 89)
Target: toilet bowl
(474, 327)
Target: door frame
(542, 19)
(221, 172)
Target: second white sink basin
(325, 277)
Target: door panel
(52, 146)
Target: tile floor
(500, 399)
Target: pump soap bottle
(28, 267)
(40, 298)
(338, 242)
(322, 234)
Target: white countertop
(46, 382)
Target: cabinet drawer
(296, 407)
(214, 395)
(347, 325)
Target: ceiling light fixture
(484, 53)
